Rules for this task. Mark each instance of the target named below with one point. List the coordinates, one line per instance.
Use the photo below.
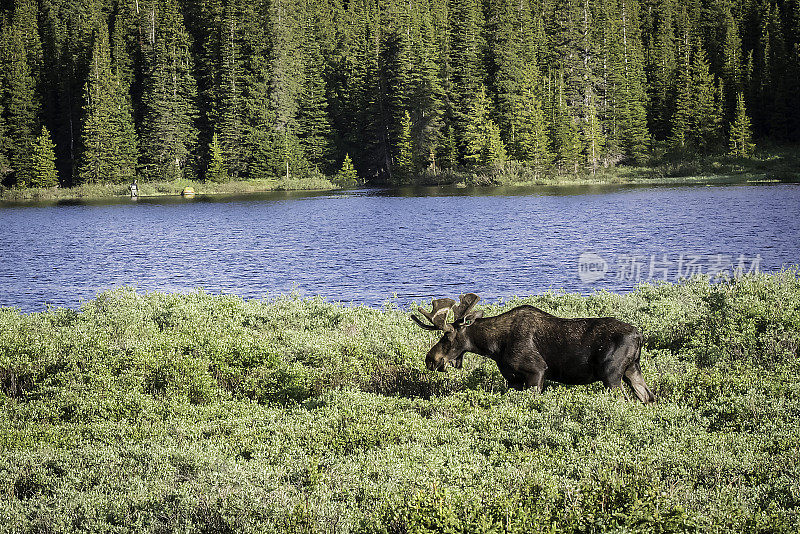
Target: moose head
(454, 343)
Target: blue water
(371, 246)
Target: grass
(200, 413)
(150, 189)
(769, 163)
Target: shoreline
(772, 165)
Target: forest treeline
(109, 90)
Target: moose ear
(469, 319)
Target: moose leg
(616, 361)
(633, 376)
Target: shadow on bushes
(401, 381)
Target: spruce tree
(661, 69)
(259, 150)
(405, 151)
(108, 138)
(706, 111)
(216, 172)
(170, 109)
(527, 123)
(4, 164)
(347, 176)
(483, 144)
(229, 91)
(680, 139)
(313, 122)
(564, 132)
(426, 97)
(592, 134)
(740, 138)
(20, 102)
(43, 162)
(732, 61)
(468, 73)
(636, 137)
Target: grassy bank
(771, 164)
(151, 189)
(213, 414)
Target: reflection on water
(367, 245)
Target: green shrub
(154, 412)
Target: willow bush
(201, 413)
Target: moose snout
(435, 364)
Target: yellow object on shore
(188, 192)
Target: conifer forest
(95, 91)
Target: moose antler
(438, 316)
(441, 307)
(467, 302)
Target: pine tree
(216, 172)
(592, 134)
(468, 74)
(426, 97)
(108, 138)
(4, 164)
(169, 133)
(347, 176)
(20, 103)
(259, 150)
(740, 138)
(483, 144)
(313, 122)
(661, 69)
(706, 111)
(732, 61)
(43, 162)
(528, 127)
(564, 132)
(633, 124)
(682, 119)
(229, 91)
(405, 151)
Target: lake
(379, 245)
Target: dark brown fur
(531, 346)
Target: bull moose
(530, 345)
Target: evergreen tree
(108, 139)
(169, 133)
(4, 164)
(313, 122)
(633, 124)
(706, 111)
(565, 135)
(216, 172)
(405, 151)
(347, 176)
(661, 69)
(740, 138)
(426, 97)
(468, 74)
(229, 91)
(732, 60)
(43, 162)
(593, 138)
(482, 136)
(528, 127)
(20, 103)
